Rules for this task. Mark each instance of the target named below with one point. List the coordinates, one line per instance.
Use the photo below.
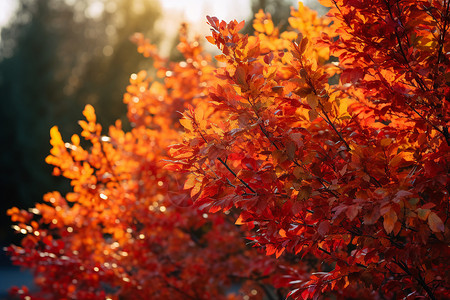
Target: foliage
(343, 185)
(54, 59)
(124, 231)
(355, 173)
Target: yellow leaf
(258, 26)
(268, 26)
(187, 124)
(343, 106)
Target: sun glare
(196, 10)
(7, 9)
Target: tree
(355, 173)
(125, 231)
(42, 85)
(343, 185)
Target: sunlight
(195, 10)
(7, 9)
(95, 10)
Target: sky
(193, 10)
(7, 8)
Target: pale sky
(7, 8)
(194, 10)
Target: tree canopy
(326, 146)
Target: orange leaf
(221, 58)
(196, 189)
(240, 25)
(386, 142)
(258, 27)
(312, 100)
(187, 124)
(240, 75)
(395, 160)
(268, 26)
(435, 223)
(279, 252)
(75, 140)
(211, 39)
(89, 113)
(270, 249)
(327, 3)
(55, 137)
(190, 182)
(157, 89)
(389, 221)
(312, 115)
(240, 221)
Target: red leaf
(352, 211)
(324, 227)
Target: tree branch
(419, 279)
(237, 177)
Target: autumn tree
(326, 144)
(355, 173)
(42, 86)
(125, 232)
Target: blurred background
(56, 56)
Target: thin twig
(235, 175)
